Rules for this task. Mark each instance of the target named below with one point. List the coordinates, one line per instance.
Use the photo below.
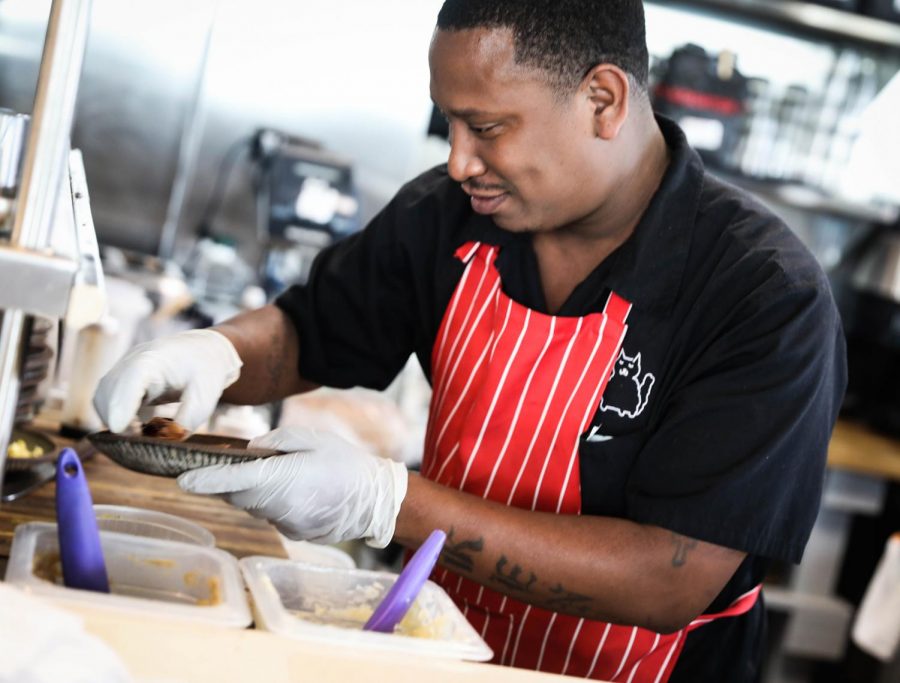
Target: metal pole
(191, 136)
(46, 160)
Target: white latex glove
(330, 491)
(198, 364)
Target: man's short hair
(564, 38)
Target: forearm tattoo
(683, 546)
(460, 555)
(512, 578)
(566, 601)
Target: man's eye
(481, 130)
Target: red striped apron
(513, 390)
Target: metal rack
(50, 266)
(843, 30)
(803, 17)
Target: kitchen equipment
(306, 198)
(51, 252)
(330, 605)
(171, 458)
(79, 539)
(13, 134)
(707, 96)
(147, 577)
(33, 369)
(151, 524)
(399, 599)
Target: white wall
(350, 73)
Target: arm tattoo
(568, 602)
(511, 580)
(459, 555)
(683, 546)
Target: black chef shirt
(716, 420)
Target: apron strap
(466, 251)
(617, 308)
(740, 606)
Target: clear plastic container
(147, 576)
(151, 524)
(313, 553)
(329, 604)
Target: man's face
(526, 158)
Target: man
(635, 367)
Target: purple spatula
(402, 594)
(79, 540)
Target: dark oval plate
(31, 439)
(168, 458)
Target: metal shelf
(802, 17)
(50, 264)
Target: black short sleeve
(738, 458)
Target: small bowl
(31, 439)
(168, 458)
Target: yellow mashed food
(19, 449)
(415, 623)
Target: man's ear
(608, 91)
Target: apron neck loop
(617, 308)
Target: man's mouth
(486, 202)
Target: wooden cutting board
(110, 484)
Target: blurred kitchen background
(225, 143)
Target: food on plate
(164, 428)
(416, 623)
(20, 449)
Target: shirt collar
(647, 269)
(649, 266)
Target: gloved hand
(330, 491)
(199, 364)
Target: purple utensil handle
(402, 594)
(79, 539)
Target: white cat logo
(627, 387)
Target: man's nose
(464, 162)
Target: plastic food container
(313, 553)
(147, 576)
(331, 605)
(151, 524)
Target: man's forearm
(267, 343)
(595, 567)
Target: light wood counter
(170, 652)
(855, 447)
(111, 484)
